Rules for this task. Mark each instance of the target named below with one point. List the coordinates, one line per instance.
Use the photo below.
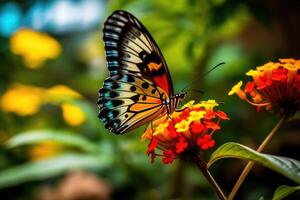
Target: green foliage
(52, 167)
(285, 166)
(283, 191)
(64, 137)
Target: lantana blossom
(188, 131)
(275, 86)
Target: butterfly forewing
(129, 47)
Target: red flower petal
(205, 142)
(222, 115)
(172, 131)
(210, 115)
(279, 74)
(263, 82)
(249, 87)
(168, 156)
(184, 115)
(181, 145)
(152, 145)
(212, 125)
(196, 127)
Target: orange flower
(275, 86)
(184, 133)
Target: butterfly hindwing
(128, 101)
(131, 49)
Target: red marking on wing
(162, 82)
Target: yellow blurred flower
(35, 47)
(72, 114)
(22, 99)
(60, 92)
(27, 100)
(44, 150)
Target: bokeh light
(10, 18)
(34, 47)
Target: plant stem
(177, 181)
(250, 164)
(202, 165)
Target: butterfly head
(181, 95)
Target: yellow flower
(189, 104)
(236, 89)
(22, 100)
(161, 128)
(182, 126)
(72, 114)
(60, 92)
(209, 104)
(35, 47)
(44, 150)
(196, 115)
(288, 60)
(175, 114)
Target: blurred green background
(53, 146)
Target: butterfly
(139, 88)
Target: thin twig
(250, 164)
(202, 165)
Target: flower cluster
(22, 99)
(25, 100)
(275, 86)
(35, 47)
(185, 132)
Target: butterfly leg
(182, 109)
(151, 124)
(169, 117)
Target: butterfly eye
(181, 96)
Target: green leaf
(63, 137)
(42, 169)
(285, 166)
(283, 191)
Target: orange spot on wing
(154, 66)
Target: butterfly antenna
(203, 75)
(193, 90)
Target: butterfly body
(139, 88)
